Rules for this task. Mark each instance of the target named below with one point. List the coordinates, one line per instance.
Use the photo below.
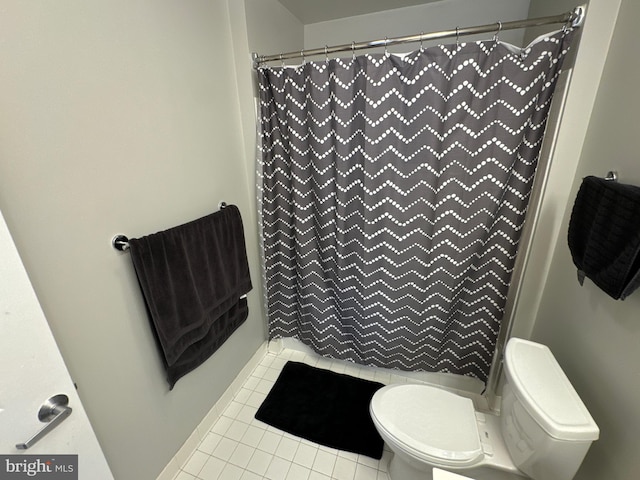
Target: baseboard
(209, 420)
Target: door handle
(52, 412)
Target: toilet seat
(429, 423)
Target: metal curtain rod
(574, 18)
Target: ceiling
(314, 11)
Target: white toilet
(543, 431)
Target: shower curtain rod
(574, 18)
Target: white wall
(596, 338)
(121, 116)
(436, 16)
(271, 28)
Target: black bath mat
(324, 407)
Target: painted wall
(436, 16)
(271, 28)
(121, 117)
(594, 337)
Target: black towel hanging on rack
(194, 279)
(604, 235)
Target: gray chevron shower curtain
(393, 194)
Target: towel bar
(121, 242)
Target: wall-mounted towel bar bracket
(121, 242)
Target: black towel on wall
(192, 277)
(604, 235)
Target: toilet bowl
(542, 432)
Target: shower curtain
(393, 194)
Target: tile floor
(239, 447)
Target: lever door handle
(52, 412)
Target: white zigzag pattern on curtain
(393, 193)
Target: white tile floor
(239, 447)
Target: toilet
(543, 430)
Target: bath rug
(328, 408)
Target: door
(32, 371)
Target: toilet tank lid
(544, 390)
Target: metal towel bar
(121, 242)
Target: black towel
(192, 277)
(604, 235)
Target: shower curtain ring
(421, 46)
(302, 55)
(326, 55)
(281, 60)
(386, 41)
(495, 36)
(458, 37)
(353, 50)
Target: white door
(32, 371)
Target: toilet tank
(546, 426)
